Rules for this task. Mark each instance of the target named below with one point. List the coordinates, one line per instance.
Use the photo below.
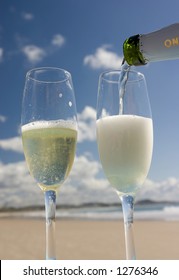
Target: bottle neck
(132, 52)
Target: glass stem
(128, 210)
(50, 209)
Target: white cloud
(12, 144)
(33, 53)
(18, 188)
(103, 58)
(84, 185)
(87, 124)
(27, 16)
(167, 190)
(2, 119)
(1, 54)
(58, 40)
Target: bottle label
(162, 44)
(168, 43)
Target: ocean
(149, 211)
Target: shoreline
(79, 239)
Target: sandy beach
(78, 239)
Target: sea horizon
(143, 210)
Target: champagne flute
(125, 139)
(49, 133)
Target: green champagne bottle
(159, 45)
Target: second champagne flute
(125, 139)
(49, 133)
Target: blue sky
(84, 37)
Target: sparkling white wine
(125, 145)
(159, 45)
(125, 68)
(49, 148)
